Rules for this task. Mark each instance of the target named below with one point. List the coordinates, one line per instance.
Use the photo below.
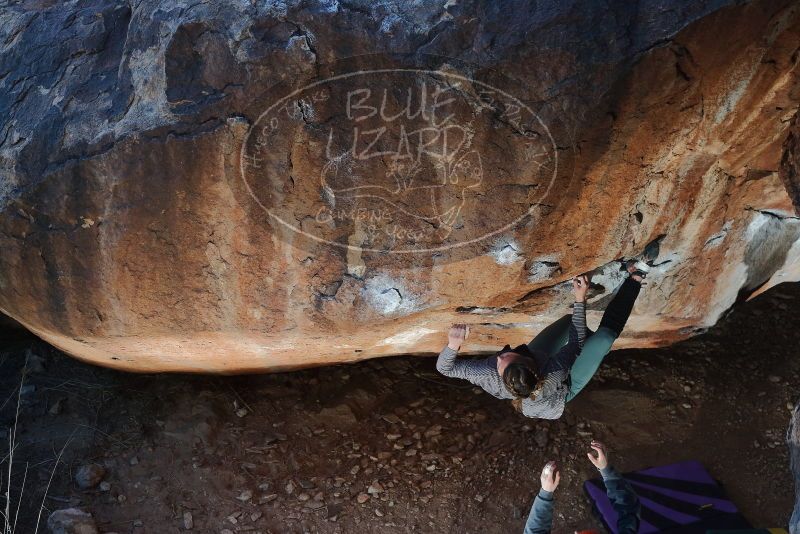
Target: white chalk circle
(398, 161)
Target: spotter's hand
(601, 460)
(551, 476)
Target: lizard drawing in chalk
(425, 185)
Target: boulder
(260, 186)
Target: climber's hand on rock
(458, 333)
(580, 285)
(551, 476)
(601, 460)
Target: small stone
(391, 418)
(479, 498)
(303, 497)
(89, 476)
(362, 498)
(105, 486)
(541, 437)
(57, 406)
(34, 362)
(188, 521)
(375, 488)
(378, 513)
(774, 378)
(71, 521)
(289, 488)
(245, 495)
(134, 460)
(241, 412)
(255, 516)
(435, 430)
(686, 405)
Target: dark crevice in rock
(529, 295)
(328, 292)
(390, 289)
(775, 214)
(355, 8)
(652, 249)
(481, 310)
(302, 32)
(199, 67)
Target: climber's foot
(638, 269)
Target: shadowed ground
(431, 454)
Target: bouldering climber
(541, 376)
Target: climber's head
(520, 373)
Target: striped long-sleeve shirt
(550, 403)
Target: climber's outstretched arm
(447, 363)
(577, 330)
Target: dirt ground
(389, 445)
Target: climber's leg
(619, 309)
(599, 344)
(552, 338)
(594, 351)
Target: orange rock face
(224, 193)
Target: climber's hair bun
(521, 378)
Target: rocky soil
(389, 445)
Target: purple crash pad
(681, 497)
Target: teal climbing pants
(597, 344)
(595, 348)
